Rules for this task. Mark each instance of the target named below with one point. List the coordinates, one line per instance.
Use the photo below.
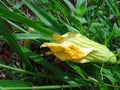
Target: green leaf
(68, 16)
(82, 7)
(96, 74)
(44, 87)
(14, 45)
(22, 36)
(36, 74)
(70, 5)
(45, 17)
(35, 25)
(78, 70)
(71, 29)
(48, 66)
(108, 74)
(114, 9)
(13, 83)
(61, 7)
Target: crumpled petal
(78, 48)
(68, 51)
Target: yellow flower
(78, 48)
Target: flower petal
(68, 51)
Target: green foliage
(99, 20)
(12, 84)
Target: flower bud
(78, 48)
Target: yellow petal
(57, 38)
(68, 51)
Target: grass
(95, 19)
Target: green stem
(44, 87)
(38, 74)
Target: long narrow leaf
(38, 74)
(70, 5)
(114, 9)
(15, 17)
(48, 66)
(78, 70)
(97, 75)
(22, 36)
(14, 84)
(67, 14)
(52, 87)
(14, 45)
(44, 17)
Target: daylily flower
(78, 48)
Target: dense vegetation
(26, 24)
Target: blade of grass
(70, 5)
(82, 8)
(18, 5)
(71, 29)
(78, 70)
(10, 3)
(45, 87)
(15, 17)
(114, 9)
(16, 26)
(3, 4)
(61, 7)
(14, 83)
(48, 66)
(38, 74)
(68, 16)
(22, 36)
(9, 72)
(44, 17)
(79, 2)
(15, 7)
(107, 73)
(14, 45)
(97, 75)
